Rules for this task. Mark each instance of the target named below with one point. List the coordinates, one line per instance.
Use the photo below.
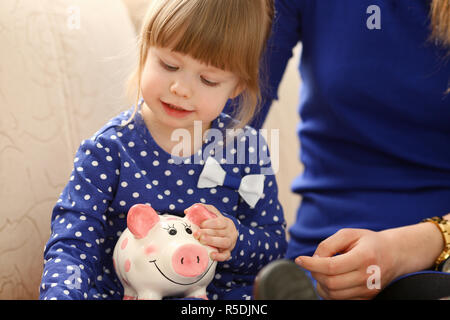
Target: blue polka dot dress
(121, 165)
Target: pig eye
(171, 230)
(187, 228)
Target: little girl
(194, 56)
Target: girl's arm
(262, 228)
(74, 255)
(249, 237)
(261, 232)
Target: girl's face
(179, 89)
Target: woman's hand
(358, 263)
(220, 233)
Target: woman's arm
(341, 262)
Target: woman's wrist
(416, 247)
(443, 225)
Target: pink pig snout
(190, 260)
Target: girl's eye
(168, 66)
(188, 230)
(209, 83)
(173, 231)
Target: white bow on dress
(250, 187)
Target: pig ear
(141, 218)
(198, 213)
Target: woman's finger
(330, 265)
(355, 293)
(340, 242)
(341, 281)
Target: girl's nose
(180, 89)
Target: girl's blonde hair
(227, 34)
(231, 35)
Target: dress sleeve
(262, 228)
(73, 254)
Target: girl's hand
(358, 263)
(220, 233)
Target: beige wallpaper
(284, 117)
(62, 69)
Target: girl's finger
(219, 223)
(218, 242)
(220, 256)
(211, 232)
(212, 209)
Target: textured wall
(62, 71)
(283, 116)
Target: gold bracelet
(444, 227)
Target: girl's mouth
(175, 111)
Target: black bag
(424, 285)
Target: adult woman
(375, 110)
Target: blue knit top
(375, 118)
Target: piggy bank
(157, 255)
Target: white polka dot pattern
(121, 166)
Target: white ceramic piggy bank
(157, 255)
